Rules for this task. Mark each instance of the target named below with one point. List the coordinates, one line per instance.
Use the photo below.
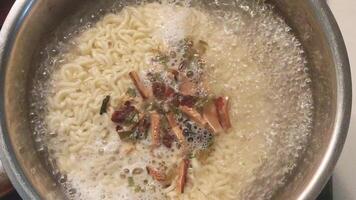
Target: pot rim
(8, 33)
(20, 10)
(343, 95)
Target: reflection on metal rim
(7, 36)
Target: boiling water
(252, 57)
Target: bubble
(72, 191)
(63, 178)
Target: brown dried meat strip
(182, 175)
(222, 108)
(155, 129)
(143, 90)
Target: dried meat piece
(159, 90)
(182, 175)
(187, 87)
(211, 116)
(155, 129)
(122, 115)
(168, 140)
(222, 108)
(193, 114)
(175, 128)
(156, 174)
(188, 101)
(169, 92)
(143, 90)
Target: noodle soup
(172, 101)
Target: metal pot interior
(33, 27)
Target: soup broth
(245, 53)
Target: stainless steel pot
(31, 21)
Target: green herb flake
(175, 110)
(163, 59)
(157, 77)
(125, 135)
(131, 181)
(191, 155)
(104, 105)
(202, 46)
(202, 102)
(136, 118)
(135, 135)
(138, 189)
(153, 188)
(164, 124)
(147, 106)
(153, 105)
(133, 118)
(131, 92)
(210, 142)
